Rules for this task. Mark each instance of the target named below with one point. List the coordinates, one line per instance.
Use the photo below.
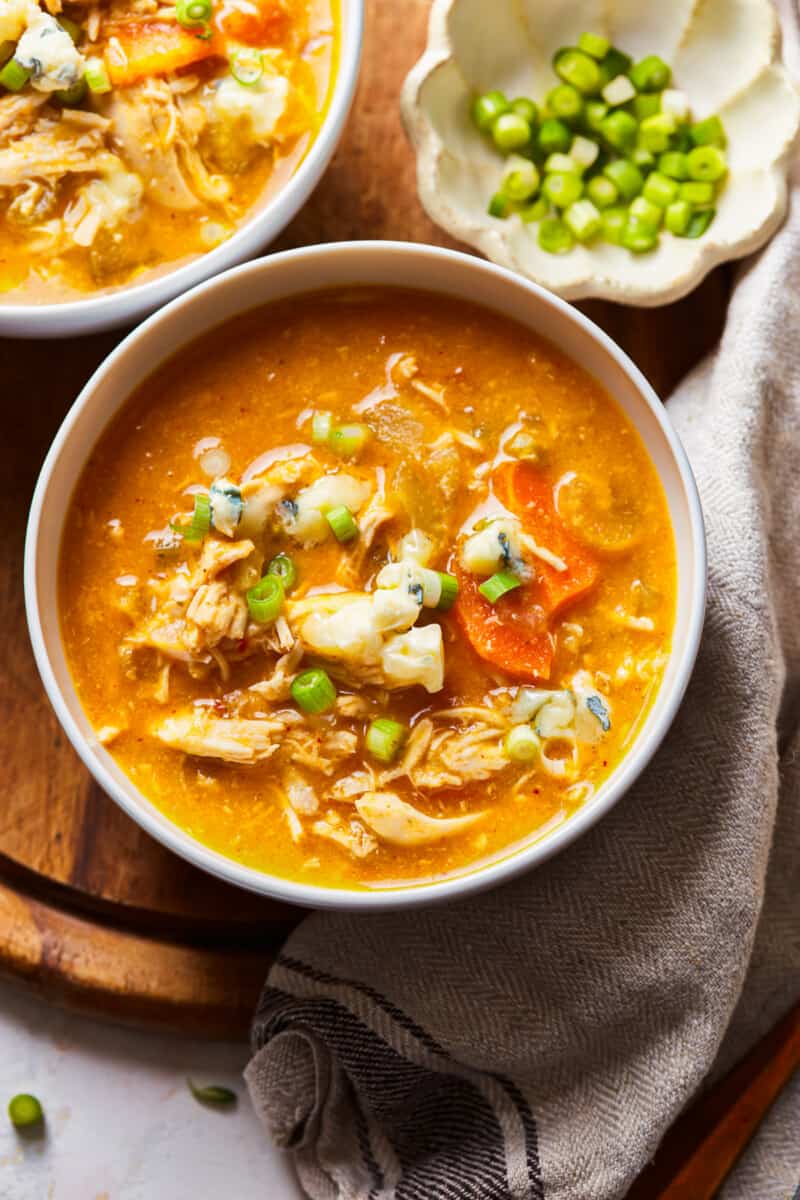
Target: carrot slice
(154, 48)
(499, 633)
(529, 495)
(514, 633)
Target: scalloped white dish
(724, 55)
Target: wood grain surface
(91, 909)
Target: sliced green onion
(96, 76)
(25, 1110)
(561, 163)
(554, 136)
(71, 27)
(646, 105)
(699, 223)
(562, 188)
(13, 76)
(583, 219)
(497, 585)
(534, 212)
(618, 91)
(579, 69)
(565, 102)
(643, 159)
(521, 180)
(594, 114)
(649, 215)
(593, 44)
(283, 567)
(521, 744)
(639, 237)
(341, 522)
(349, 440)
(697, 192)
(6, 52)
(677, 216)
(614, 221)
(673, 165)
(384, 738)
(511, 132)
(247, 66)
(191, 13)
(652, 74)
(313, 691)
(449, 592)
(602, 192)
(655, 132)
(584, 152)
(200, 523)
(555, 237)
(612, 64)
(706, 163)
(660, 189)
(499, 206)
(676, 103)
(487, 108)
(525, 108)
(265, 600)
(212, 1093)
(619, 129)
(708, 133)
(625, 176)
(73, 96)
(321, 427)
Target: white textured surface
(473, 46)
(121, 1124)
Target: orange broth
(434, 434)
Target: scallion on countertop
(25, 1110)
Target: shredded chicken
(52, 150)
(230, 739)
(400, 823)
(278, 685)
(350, 835)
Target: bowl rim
(127, 304)
(447, 888)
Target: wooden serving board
(93, 913)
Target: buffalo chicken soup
(367, 587)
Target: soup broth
(482, 644)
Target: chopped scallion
(708, 133)
(511, 132)
(498, 585)
(265, 600)
(565, 102)
(449, 593)
(282, 566)
(652, 74)
(247, 66)
(706, 163)
(195, 15)
(521, 744)
(341, 522)
(313, 691)
(200, 523)
(96, 76)
(25, 1110)
(13, 77)
(554, 236)
(699, 223)
(594, 44)
(554, 136)
(321, 427)
(562, 188)
(349, 440)
(384, 738)
(487, 108)
(73, 96)
(579, 69)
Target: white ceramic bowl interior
(298, 271)
(128, 304)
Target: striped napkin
(537, 1042)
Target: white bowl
(126, 305)
(724, 54)
(286, 274)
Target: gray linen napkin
(539, 1040)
